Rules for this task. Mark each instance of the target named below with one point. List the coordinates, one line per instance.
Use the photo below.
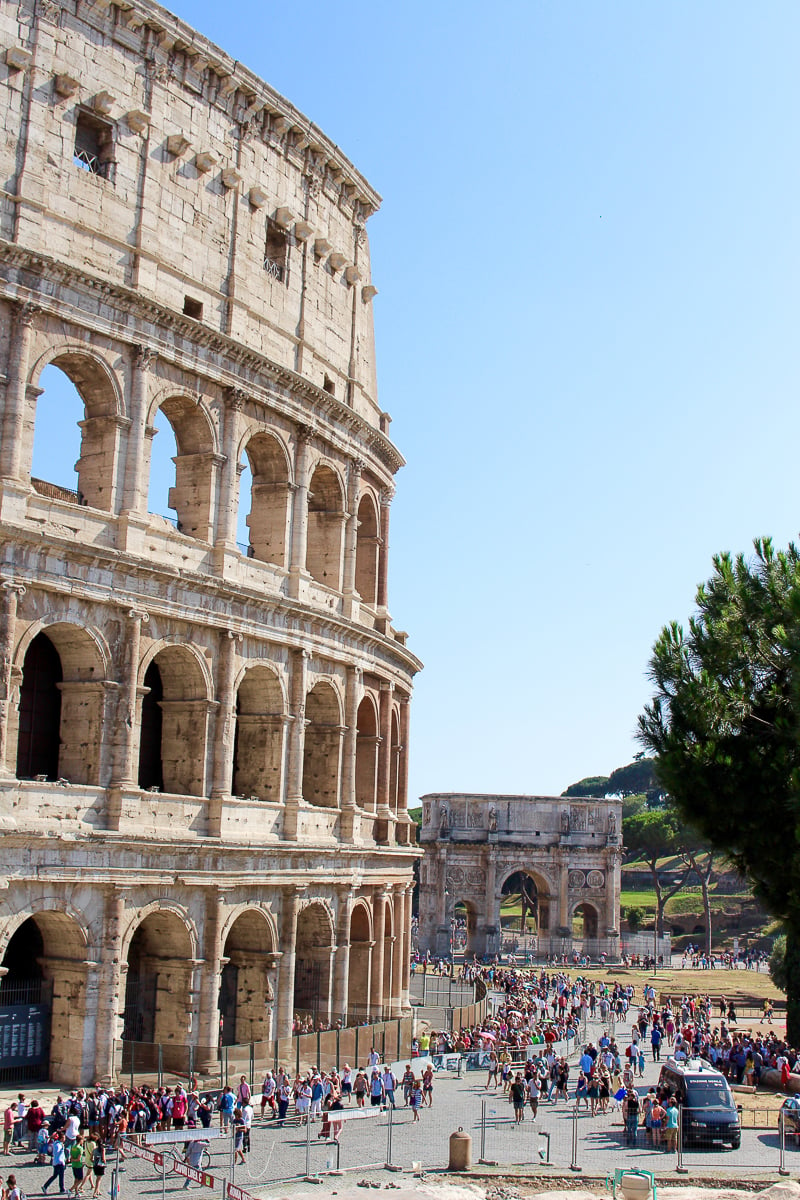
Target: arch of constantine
(203, 742)
(561, 856)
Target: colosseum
(203, 741)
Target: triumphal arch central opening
(531, 873)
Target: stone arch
(313, 974)
(98, 439)
(464, 930)
(57, 721)
(367, 743)
(45, 959)
(158, 948)
(259, 741)
(191, 495)
(367, 550)
(270, 496)
(395, 750)
(389, 982)
(173, 722)
(323, 746)
(246, 988)
(533, 890)
(585, 920)
(360, 964)
(326, 515)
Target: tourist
(59, 1160)
(427, 1085)
(517, 1098)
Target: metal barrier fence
(215, 1067)
(441, 991)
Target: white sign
(185, 1135)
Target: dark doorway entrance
(39, 711)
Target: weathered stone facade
(203, 747)
(571, 849)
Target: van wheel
(736, 1143)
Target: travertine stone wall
(203, 746)
(571, 850)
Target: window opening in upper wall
(94, 145)
(57, 437)
(192, 308)
(276, 251)
(329, 386)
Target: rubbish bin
(460, 1151)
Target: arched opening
(367, 549)
(325, 524)
(158, 985)
(584, 921)
(259, 743)
(360, 966)
(45, 967)
(246, 994)
(182, 469)
(151, 774)
(58, 720)
(76, 433)
(388, 965)
(39, 738)
(313, 965)
(394, 761)
(367, 743)
(463, 927)
(268, 519)
(322, 751)
(173, 724)
(524, 910)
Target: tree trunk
(707, 909)
(793, 985)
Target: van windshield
(708, 1093)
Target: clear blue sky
(587, 259)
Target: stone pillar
(351, 537)
(228, 489)
(379, 927)
(398, 955)
(16, 397)
(10, 593)
(493, 928)
(348, 804)
(563, 891)
(297, 556)
(124, 773)
(298, 686)
(341, 964)
(225, 731)
(134, 495)
(210, 972)
(384, 823)
(106, 1022)
(613, 887)
(383, 620)
(285, 1007)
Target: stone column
(341, 965)
(228, 488)
(351, 537)
(398, 955)
(405, 826)
(124, 773)
(383, 562)
(492, 903)
(16, 397)
(134, 495)
(298, 686)
(285, 1006)
(210, 973)
(384, 813)
(107, 1024)
(10, 593)
(563, 891)
(225, 731)
(613, 886)
(379, 927)
(297, 556)
(348, 805)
